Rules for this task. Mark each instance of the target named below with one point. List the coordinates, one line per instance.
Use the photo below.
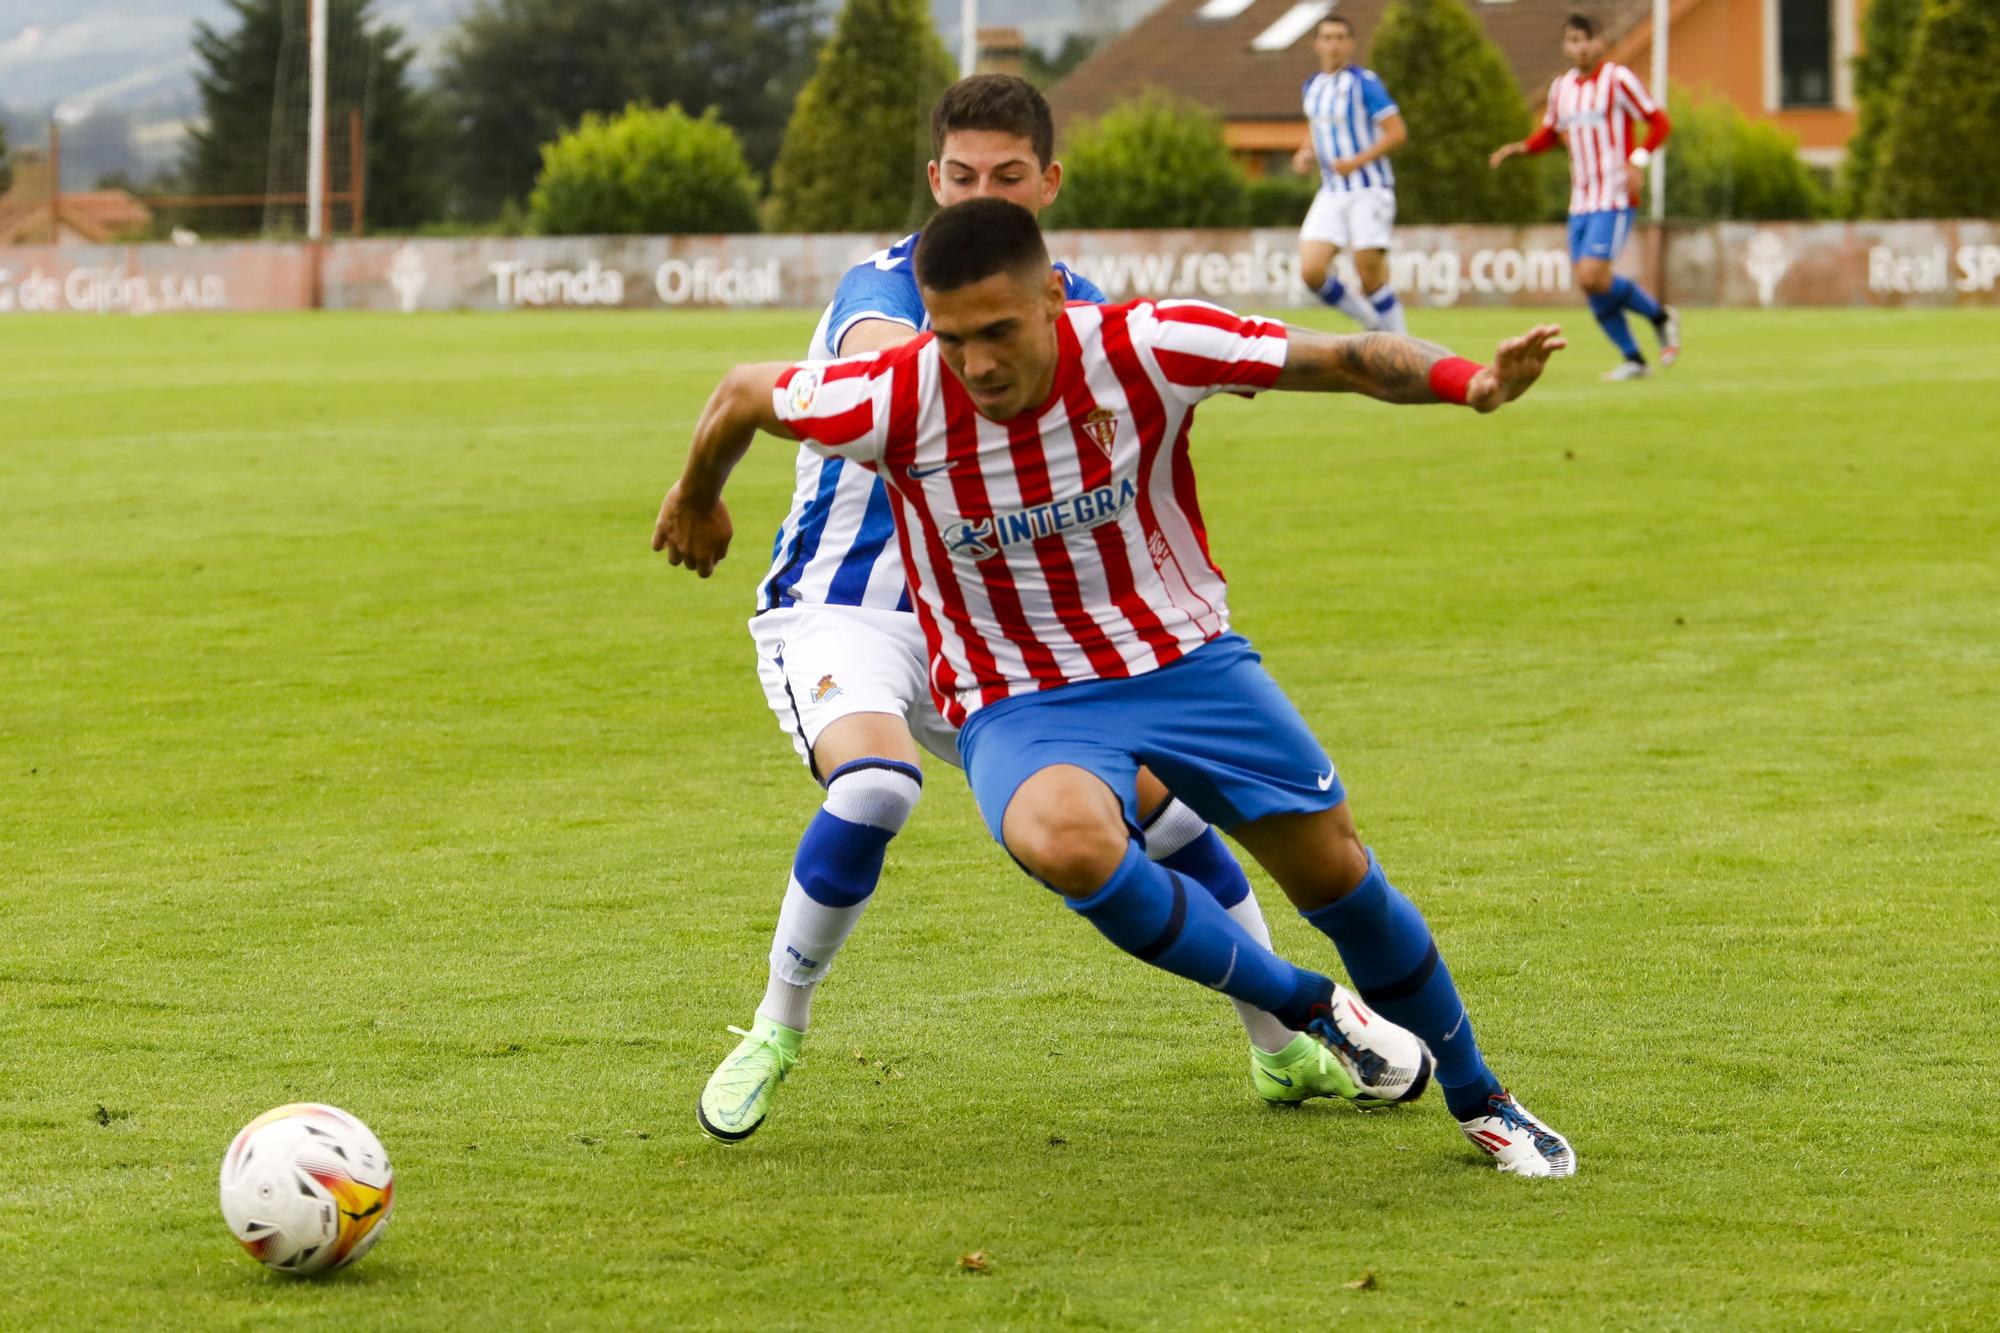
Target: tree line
(734, 115)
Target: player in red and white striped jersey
(1592, 109)
(1036, 454)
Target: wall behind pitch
(1730, 264)
(154, 279)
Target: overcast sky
(135, 53)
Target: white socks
(808, 932)
(1267, 1034)
(840, 858)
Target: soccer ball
(306, 1188)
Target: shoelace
(785, 1062)
(1513, 1117)
(1369, 1064)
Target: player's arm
(693, 527)
(1543, 139)
(1394, 135)
(873, 335)
(1637, 103)
(1387, 118)
(1399, 369)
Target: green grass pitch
(354, 747)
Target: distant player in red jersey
(1036, 454)
(1591, 110)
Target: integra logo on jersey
(977, 539)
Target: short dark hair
(1583, 23)
(972, 241)
(995, 102)
(1341, 19)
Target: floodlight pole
(316, 124)
(1658, 184)
(968, 38)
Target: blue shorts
(1213, 726)
(1600, 235)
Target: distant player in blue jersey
(1355, 126)
(846, 671)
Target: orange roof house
(1785, 61)
(32, 213)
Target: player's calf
(834, 873)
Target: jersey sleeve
(1375, 100)
(1081, 288)
(840, 409)
(1632, 95)
(874, 289)
(1203, 350)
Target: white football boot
(1670, 336)
(1626, 370)
(1384, 1063)
(1518, 1143)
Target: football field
(355, 748)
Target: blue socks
(1208, 863)
(1394, 963)
(1159, 918)
(1333, 291)
(840, 856)
(1610, 307)
(1610, 312)
(1635, 299)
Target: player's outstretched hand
(1517, 365)
(691, 534)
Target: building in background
(1784, 61)
(34, 212)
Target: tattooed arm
(1397, 369)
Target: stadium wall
(1725, 264)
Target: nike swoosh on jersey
(1326, 779)
(919, 473)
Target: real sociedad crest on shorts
(1102, 426)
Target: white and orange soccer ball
(306, 1188)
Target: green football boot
(1303, 1070)
(1348, 1051)
(739, 1092)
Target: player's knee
(880, 793)
(1312, 273)
(1072, 848)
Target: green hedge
(644, 171)
(1151, 161)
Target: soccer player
(1591, 108)
(1355, 126)
(1036, 459)
(842, 659)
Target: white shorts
(820, 663)
(1351, 219)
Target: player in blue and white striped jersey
(845, 667)
(1354, 126)
(837, 545)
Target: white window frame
(1844, 33)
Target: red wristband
(1451, 377)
